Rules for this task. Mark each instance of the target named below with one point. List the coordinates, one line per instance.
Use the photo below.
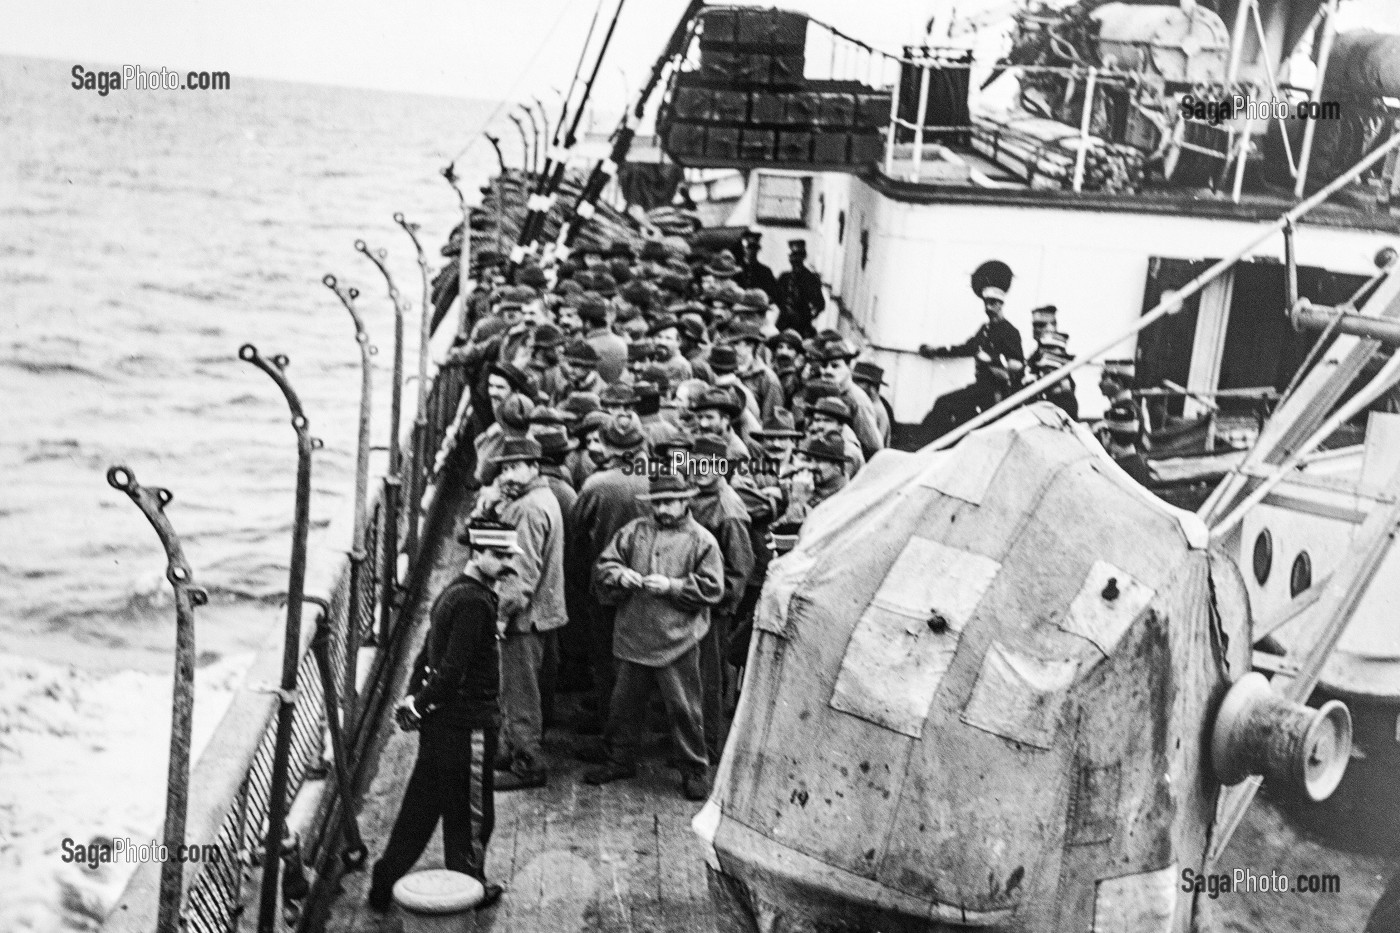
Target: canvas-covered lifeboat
(980, 695)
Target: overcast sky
(474, 48)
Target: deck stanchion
(152, 503)
(464, 253)
(394, 479)
(358, 544)
(500, 210)
(355, 853)
(291, 643)
(389, 559)
(415, 486)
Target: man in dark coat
(800, 297)
(453, 703)
(997, 349)
(720, 511)
(755, 274)
(607, 501)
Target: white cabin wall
(1091, 264)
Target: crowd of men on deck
(647, 430)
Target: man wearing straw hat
(664, 572)
(453, 704)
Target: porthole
(1301, 576)
(1263, 556)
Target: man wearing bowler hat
(531, 608)
(819, 472)
(746, 337)
(715, 412)
(836, 356)
(664, 573)
(869, 378)
(800, 297)
(452, 703)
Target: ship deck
(622, 857)
(573, 857)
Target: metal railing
(232, 782)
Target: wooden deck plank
(622, 858)
(572, 857)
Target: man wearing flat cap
(800, 296)
(453, 704)
(664, 573)
(544, 368)
(532, 604)
(996, 347)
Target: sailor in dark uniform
(1121, 435)
(755, 274)
(997, 349)
(453, 703)
(800, 297)
(1050, 356)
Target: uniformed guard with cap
(1050, 356)
(996, 347)
(800, 297)
(753, 273)
(453, 704)
(1120, 432)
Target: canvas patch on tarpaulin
(1106, 606)
(1019, 697)
(895, 658)
(1141, 903)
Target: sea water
(145, 236)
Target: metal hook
(121, 478)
